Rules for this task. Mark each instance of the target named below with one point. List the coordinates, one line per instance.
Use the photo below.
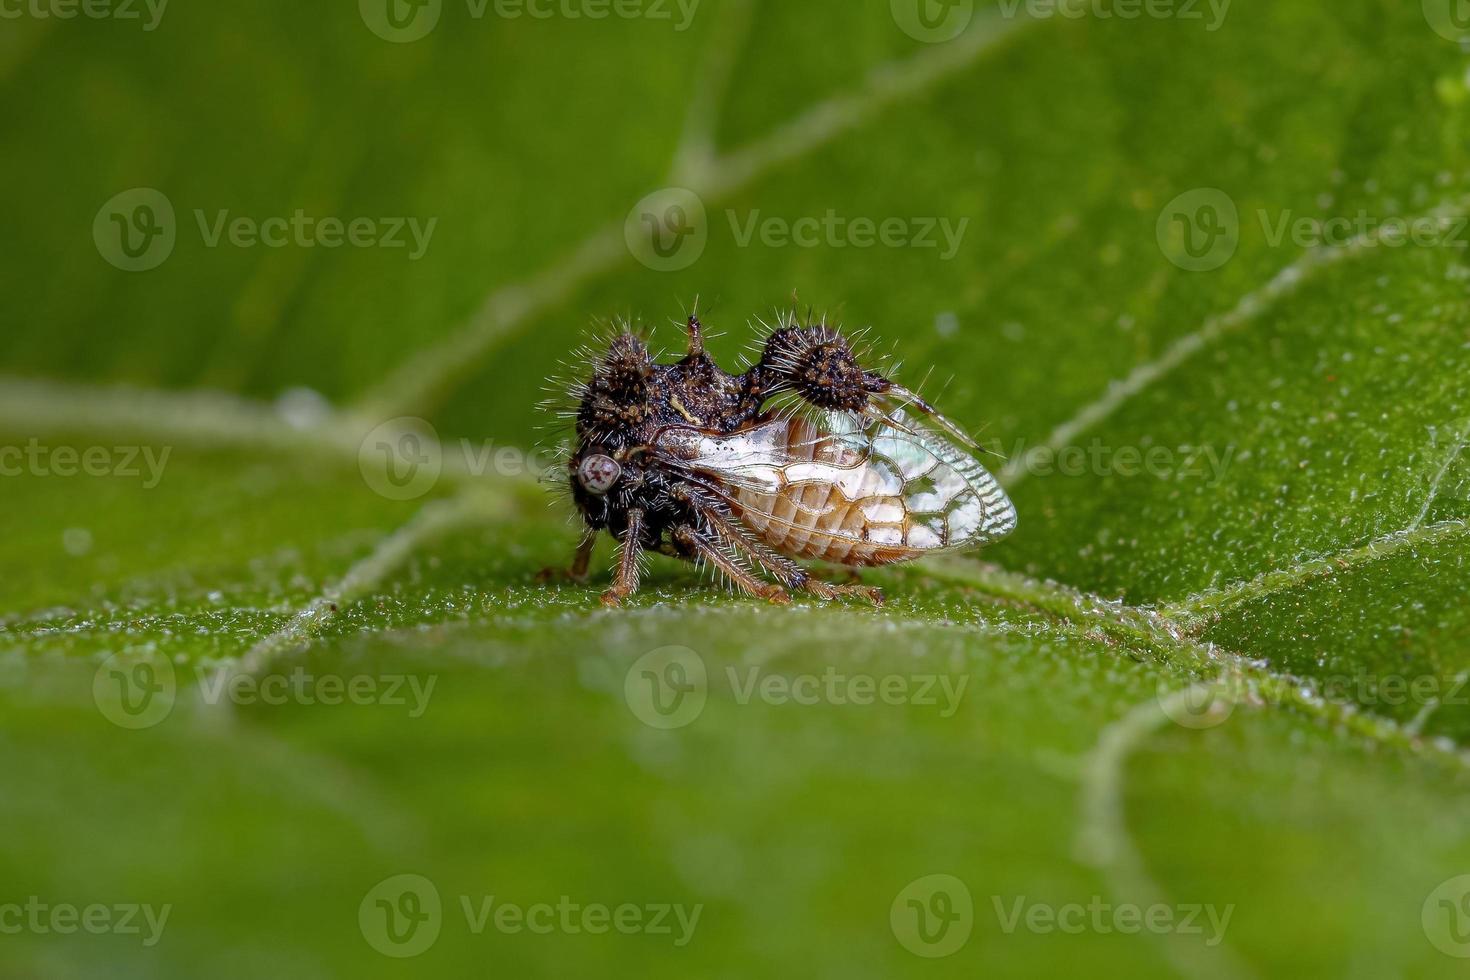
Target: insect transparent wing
(946, 490)
(884, 481)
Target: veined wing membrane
(887, 482)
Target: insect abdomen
(817, 520)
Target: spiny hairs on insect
(796, 336)
(567, 389)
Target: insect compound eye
(598, 473)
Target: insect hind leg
(788, 572)
(707, 550)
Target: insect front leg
(581, 561)
(583, 558)
(625, 579)
(708, 550)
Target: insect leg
(625, 579)
(707, 550)
(583, 558)
(790, 574)
(580, 561)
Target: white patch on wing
(924, 539)
(964, 520)
(885, 534)
(883, 511)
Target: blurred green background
(1230, 238)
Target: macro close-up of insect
(905, 490)
(690, 461)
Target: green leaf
(253, 671)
